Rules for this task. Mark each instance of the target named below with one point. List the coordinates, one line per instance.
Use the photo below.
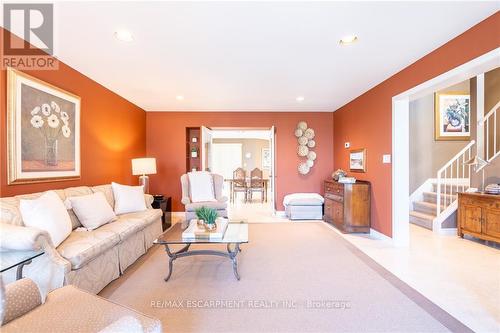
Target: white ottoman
(303, 206)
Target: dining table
(248, 181)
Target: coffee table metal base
(184, 252)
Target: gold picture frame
(452, 116)
(357, 160)
(43, 131)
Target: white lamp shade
(144, 166)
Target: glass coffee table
(236, 234)
(19, 259)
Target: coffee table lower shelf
(184, 252)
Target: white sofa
(86, 259)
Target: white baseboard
(378, 235)
(178, 216)
(280, 213)
(448, 231)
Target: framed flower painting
(452, 113)
(43, 131)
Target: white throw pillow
(47, 213)
(201, 186)
(128, 199)
(93, 210)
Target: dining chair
(239, 183)
(256, 183)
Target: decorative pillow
(93, 210)
(201, 186)
(128, 199)
(47, 213)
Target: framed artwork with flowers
(452, 113)
(43, 131)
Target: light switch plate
(386, 158)
(347, 144)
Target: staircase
(452, 178)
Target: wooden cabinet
(479, 216)
(347, 206)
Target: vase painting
(44, 133)
(452, 113)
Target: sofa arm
(20, 238)
(185, 201)
(149, 200)
(21, 297)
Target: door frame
(400, 135)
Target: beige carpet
(284, 268)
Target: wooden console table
(347, 206)
(479, 216)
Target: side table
(165, 204)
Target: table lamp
(142, 167)
(477, 162)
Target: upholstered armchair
(220, 202)
(67, 309)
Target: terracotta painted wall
(166, 141)
(113, 131)
(366, 121)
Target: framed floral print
(43, 131)
(452, 116)
(357, 160)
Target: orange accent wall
(113, 131)
(366, 122)
(166, 141)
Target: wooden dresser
(347, 206)
(479, 216)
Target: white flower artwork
(305, 138)
(53, 121)
(46, 109)
(43, 131)
(66, 131)
(37, 121)
(302, 141)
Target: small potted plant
(208, 215)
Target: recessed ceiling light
(347, 40)
(300, 99)
(124, 35)
(179, 97)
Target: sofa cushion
(124, 227)
(191, 207)
(92, 210)
(83, 246)
(75, 192)
(70, 309)
(48, 213)
(146, 217)
(108, 193)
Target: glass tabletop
(236, 232)
(11, 259)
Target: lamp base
(144, 181)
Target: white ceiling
(253, 56)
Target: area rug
(295, 277)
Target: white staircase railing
(453, 175)
(491, 145)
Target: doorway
(245, 157)
(400, 136)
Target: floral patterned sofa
(86, 259)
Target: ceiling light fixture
(348, 40)
(179, 97)
(300, 99)
(124, 35)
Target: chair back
(256, 177)
(239, 176)
(218, 184)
